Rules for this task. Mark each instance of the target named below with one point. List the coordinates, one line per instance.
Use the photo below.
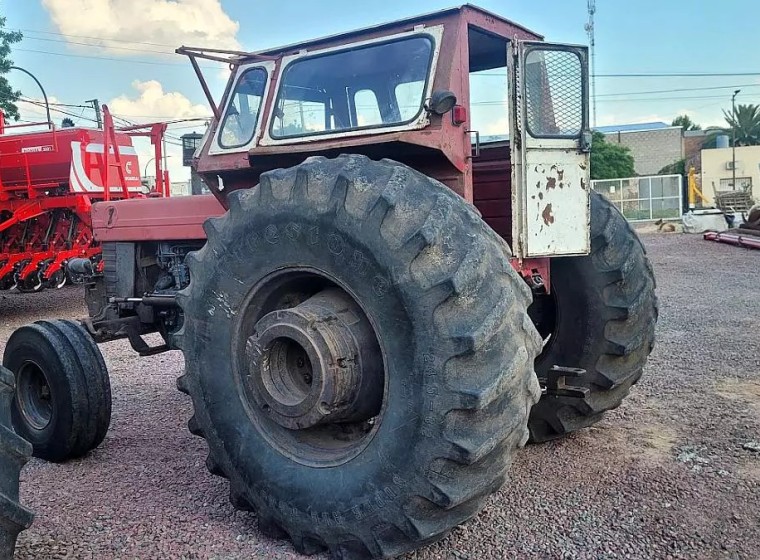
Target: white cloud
(151, 104)
(162, 22)
(155, 104)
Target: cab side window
(239, 122)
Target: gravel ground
(665, 476)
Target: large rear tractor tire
(63, 395)
(14, 453)
(359, 356)
(600, 317)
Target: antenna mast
(590, 31)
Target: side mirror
(441, 102)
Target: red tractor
(48, 183)
(378, 305)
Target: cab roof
(470, 12)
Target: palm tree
(746, 121)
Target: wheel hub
(316, 363)
(33, 394)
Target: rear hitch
(556, 384)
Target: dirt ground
(671, 474)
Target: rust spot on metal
(583, 184)
(540, 196)
(551, 183)
(560, 174)
(561, 185)
(538, 184)
(582, 166)
(547, 215)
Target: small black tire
(600, 317)
(458, 349)
(14, 453)
(63, 395)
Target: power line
(679, 75)
(169, 53)
(128, 41)
(628, 75)
(112, 59)
(643, 75)
(166, 118)
(67, 113)
(677, 90)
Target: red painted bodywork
(36, 161)
(48, 182)
(442, 150)
(154, 219)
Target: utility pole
(590, 31)
(96, 106)
(733, 140)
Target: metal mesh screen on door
(554, 93)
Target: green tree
(746, 122)
(7, 95)
(685, 122)
(675, 168)
(610, 161)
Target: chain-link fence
(644, 198)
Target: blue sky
(645, 36)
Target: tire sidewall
(375, 274)
(55, 439)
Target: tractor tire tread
(480, 318)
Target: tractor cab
(469, 98)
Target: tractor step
(555, 383)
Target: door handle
(476, 153)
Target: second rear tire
(600, 317)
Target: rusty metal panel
(557, 209)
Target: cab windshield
(372, 86)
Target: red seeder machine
(48, 182)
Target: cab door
(550, 144)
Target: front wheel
(599, 317)
(358, 354)
(62, 404)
